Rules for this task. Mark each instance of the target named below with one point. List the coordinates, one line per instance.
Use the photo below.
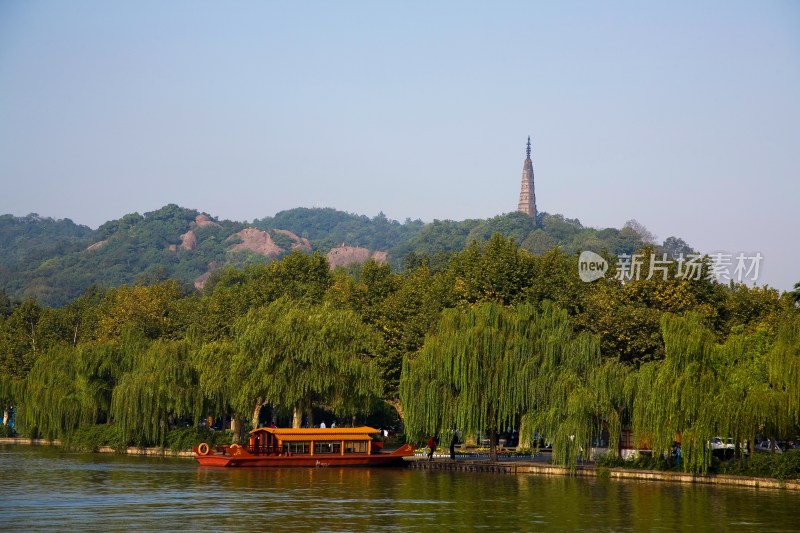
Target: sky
(682, 115)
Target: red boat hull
(244, 459)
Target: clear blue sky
(682, 115)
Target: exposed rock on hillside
(298, 243)
(189, 240)
(347, 255)
(203, 221)
(256, 241)
(96, 246)
(201, 280)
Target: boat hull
(226, 460)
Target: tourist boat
(280, 447)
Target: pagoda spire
(527, 194)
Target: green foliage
(59, 395)
(488, 365)
(538, 242)
(781, 466)
(91, 438)
(640, 461)
(496, 271)
(7, 305)
(515, 225)
(55, 261)
(434, 239)
(31, 239)
(290, 355)
(6, 431)
(182, 439)
(161, 383)
(327, 228)
(464, 334)
(609, 460)
(702, 389)
(574, 392)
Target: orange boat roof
(301, 434)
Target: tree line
(55, 261)
(489, 337)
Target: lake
(48, 488)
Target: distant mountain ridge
(54, 261)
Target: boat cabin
(313, 441)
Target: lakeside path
(540, 467)
(516, 466)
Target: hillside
(54, 261)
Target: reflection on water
(47, 488)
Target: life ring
(203, 449)
(234, 449)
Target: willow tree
(482, 368)
(677, 396)
(71, 387)
(162, 385)
(60, 394)
(9, 393)
(702, 389)
(576, 395)
(291, 355)
(748, 401)
(218, 380)
(783, 364)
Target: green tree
(297, 276)
(516, 225)
(292, 355)
(160, 387)
(701, 389)
(481, 369)
(495, 271)
(403, 318)
(538, 242)
(6, 304)
(148, 309)
(21, 339)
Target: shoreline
(516, 468)
(541, 469)
(132, 450)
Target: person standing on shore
(431, 447)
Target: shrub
(91, 438)
(640, 461)
(184, 438)
(6, 431)
(781, 466)
(609, 460)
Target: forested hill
(54, 261)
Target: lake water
(48, 488)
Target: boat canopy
(318, 434)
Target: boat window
(298, 447)
(327, 447)
(355, 446)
